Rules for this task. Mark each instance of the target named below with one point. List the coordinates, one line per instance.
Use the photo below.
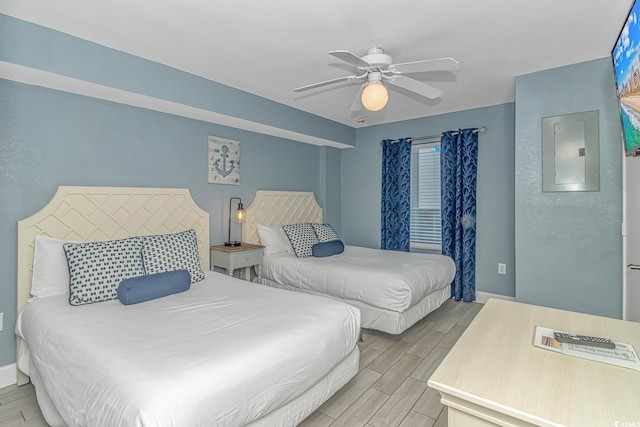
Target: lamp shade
(374, 96)
(240, 213)
(239, 216)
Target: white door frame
(630, 239)
(625, 312)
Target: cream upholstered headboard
(279, 208)
(104, 213)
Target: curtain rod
(420, 138)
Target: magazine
(623, 355)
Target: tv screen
(626, 64)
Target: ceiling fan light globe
(374, 96)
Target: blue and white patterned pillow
(97, 268)
(302, 238)
(325, 232)
(168, 252)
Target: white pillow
(50, 268)
(274, 240)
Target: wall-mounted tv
(626, 64)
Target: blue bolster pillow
(151, 286)
(324, 249)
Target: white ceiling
(270, 47)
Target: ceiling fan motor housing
(376, 58)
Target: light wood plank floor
(389, 390)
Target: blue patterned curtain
(396, 194)
(458, 168)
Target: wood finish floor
(390, 388)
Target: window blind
(425, 223)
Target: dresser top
(495, 365)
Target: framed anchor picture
(224, 161)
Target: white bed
(393, 290)
(225, 352)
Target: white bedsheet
(224, 353)
(385, 279)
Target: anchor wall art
(224, 161)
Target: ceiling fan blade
(357, 103)
(324, 83)
(349, 58)
(415, 86)
(440, 64)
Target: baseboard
(483, 297)
(7, 375)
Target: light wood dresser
(494, 375)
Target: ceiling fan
(376, 67)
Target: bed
(393, 290)
(226, 352)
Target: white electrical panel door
(570, 152)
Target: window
(425, 197)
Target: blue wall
(361, 180)
(329, 195)
(568, 244)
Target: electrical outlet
(502, 268)
(1, 321)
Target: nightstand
(233, 257)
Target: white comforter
(385, 279)
(225, 352)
